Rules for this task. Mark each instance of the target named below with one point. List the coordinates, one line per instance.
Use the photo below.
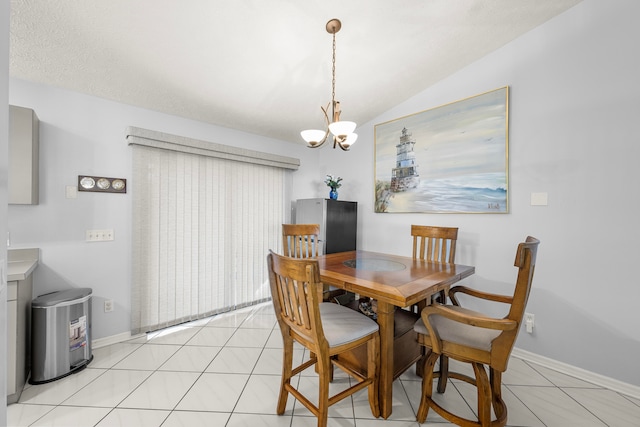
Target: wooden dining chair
(472, 337)
(303, 241)
(325, 329)
(437, 244)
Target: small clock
(87, 182)
(99, 184)
(103, 183)
(118, 184)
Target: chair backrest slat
(301, 240)
(434, 243)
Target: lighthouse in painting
(405, 175)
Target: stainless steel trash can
(60, 333)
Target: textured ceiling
(260, 66)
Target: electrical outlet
(529, 322)
(108, 306)
(99, 235)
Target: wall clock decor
(101, 184)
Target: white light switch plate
(539, 199)
(71, 192)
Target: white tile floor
(225, 371)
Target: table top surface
(398, 280)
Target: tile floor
(225, 371)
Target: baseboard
(597, 379)
(113, 339)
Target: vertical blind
(202, 227)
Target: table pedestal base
(405, 352)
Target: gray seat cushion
(452, 331)
(342, 325)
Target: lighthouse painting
(449, 159)
(405, 174)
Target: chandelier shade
(313, 136)
(342, 131)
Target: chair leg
(324, 367)
(312, 354)
(484, 394)
(373, 371)
(427, 386)
(444, 373)
(499, 406)
(287, 364)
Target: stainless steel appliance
(338, 221)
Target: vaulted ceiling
(260, 66)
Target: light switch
(71, 192)
(538, 199)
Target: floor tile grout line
(252, 372)
(524, 404)
(583, 406)
(149, 341)
(200, 374)
(204, 370)
(113, 409)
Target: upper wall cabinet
(23, 156)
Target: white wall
(574, 110)
(4, 148)
(81, 134)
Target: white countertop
(21, 263)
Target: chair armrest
(478, 294)
(478, 321)
(465, 318)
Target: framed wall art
(449, 159)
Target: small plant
(333, 182)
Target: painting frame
(453, 158)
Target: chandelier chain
(333, 73)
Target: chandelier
(342, 131)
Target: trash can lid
(59, 297)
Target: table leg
(386, 321)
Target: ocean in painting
(483, 193)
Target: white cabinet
(21, 265)
(23, 156)
(19, 297)
(12, 331)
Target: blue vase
(333, 194)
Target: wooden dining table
(395, 282)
